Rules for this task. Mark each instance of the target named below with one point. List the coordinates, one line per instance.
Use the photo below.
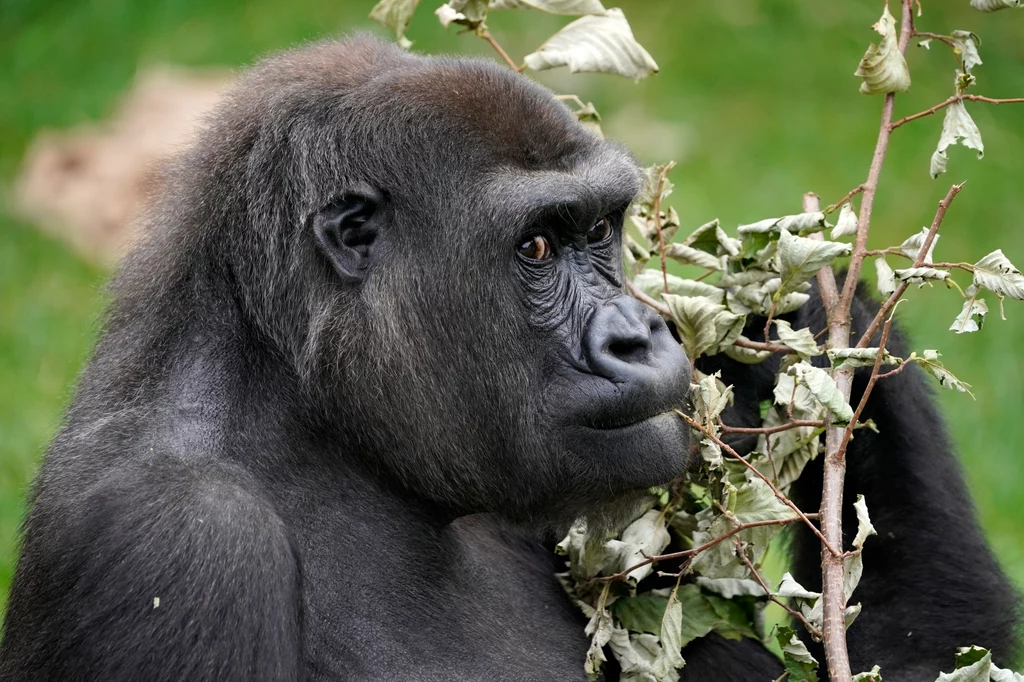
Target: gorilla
(372, 352)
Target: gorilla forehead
(401, 112)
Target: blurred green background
(756, 101)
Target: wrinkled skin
(373, 347)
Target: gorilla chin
(639, 454)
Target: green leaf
(921, 276)
(704, 613)
(688, 255)
(883, 67)
(642, 613)
(973, 664)
(821, 385)
(846, 225)
(853, 569)
(864, 527)
(957, 126)
(912, 246)
(971, 317)
(799, 663)
(851, 358)
(395, 15)
(994, 5)
(565, 7)
(886, 277)
(966, 45)
(595, 43)
(800, 258)
(996, 273)
(929, 360)
(711, 238)
(800, 340)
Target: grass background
(755, 100)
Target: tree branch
(834, 468)
(815, 632)
(955, 98)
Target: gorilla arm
(169, 572)
(930, 582)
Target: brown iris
(536, 248)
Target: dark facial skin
(378, 315)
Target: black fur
(330, 372)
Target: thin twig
(644, 298)
(693, 551)
(848, 433)
(769, 430)
(657, 219)
(955, 98)
(839, 204)
(815, 632)
(486, 35)
(940, 213)
(935, 36)
(757, 345)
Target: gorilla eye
(600, 231)
(536, 248)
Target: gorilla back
(379, 307)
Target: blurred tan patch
(87, 185)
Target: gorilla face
(467, 322)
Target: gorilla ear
(345, 231)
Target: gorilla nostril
(629, 350)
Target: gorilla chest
(476, 609)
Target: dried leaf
(971, 317)
(800, 340)
(966, 44)
(921, 276)
(864, 527)
(395, 15)
(883, 67)
(851, 358)
(996, 273)
(468, 13)
(801, 223)
(846, 225)
(929, 360)
(957, 126)
(824, 389)
(994, 5)
(597, 43)
(800, 258)
(912, 246)
(687, 255)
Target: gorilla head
(434, 246)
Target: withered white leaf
(601, 43)
(883, 67)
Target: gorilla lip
(626, 422)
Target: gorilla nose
(626, 341)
